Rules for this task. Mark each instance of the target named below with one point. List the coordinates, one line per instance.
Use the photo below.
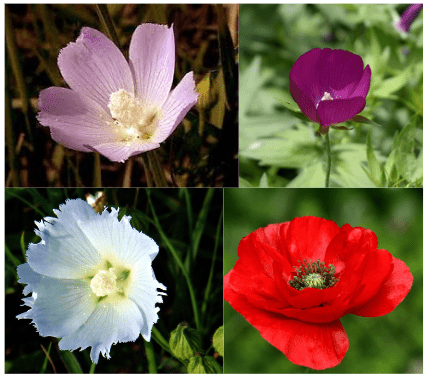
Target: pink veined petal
(339, 69)
(179, 102)
(338, 110)
(363, 86)
(120, 151)
(95, 67)
(306, 105)
(152, 59)
(75, 121)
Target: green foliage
(392, 343)
(218, 341)
(203, 365)
(276, 138)
(184, 342)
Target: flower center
(104, 283)
(112, 283)
(313, 275)
(327, 96)
(133, 121)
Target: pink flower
(115, 107)
(329, 86)
(408, 17)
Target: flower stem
(97, 170)
(150, 354)
(156, 168)
(92, 369)
(106, 20)
(328, 151)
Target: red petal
(314, 345)
(391, 293)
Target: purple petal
(339, 110)
(408, 17)
(340, 70)
(305, 75)
(363, 86)
(304, 102)
(75, 121)
(121, 151)
(152, 59)
(95, 67)
(179, 102)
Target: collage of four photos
(213, 188)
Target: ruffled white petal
(65, 251)
(58, 307)
(144, 292)
(117, 239)
(108, 324)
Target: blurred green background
(276, 148)
(190, 223)
(389, 344)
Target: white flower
(91, 279)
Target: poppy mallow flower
(329, 86)
(91, 279)
(408, 17)
(115, 107)
(294, 281)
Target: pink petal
(75, 121)
(363, 86)
(179, 102)
(95, 67)
(121, 151)
(304, 102)
(339, 110)
(152, 59)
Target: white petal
(60, 306)
(109, 324)
(117, 239)
(145, 294)
(65, 251)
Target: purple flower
(408, 17)
(329, 86)
(115, 107)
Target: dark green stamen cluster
(313, 275)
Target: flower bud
(203, 365)
(218, 341)
(184, 342)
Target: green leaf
(375, 172)
(184, 342)
(363, 120)
(244, 182)
(203, 365)
(264, 181)
(392, 84)
(70, 361)
(218, 341)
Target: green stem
(97, 170)
(328, 151)
(106, 20)
(150, 354)
(156, 168)
(179, 263)
(92, 369)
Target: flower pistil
(313, 275)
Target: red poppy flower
(295, 280)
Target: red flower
(295, 280)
